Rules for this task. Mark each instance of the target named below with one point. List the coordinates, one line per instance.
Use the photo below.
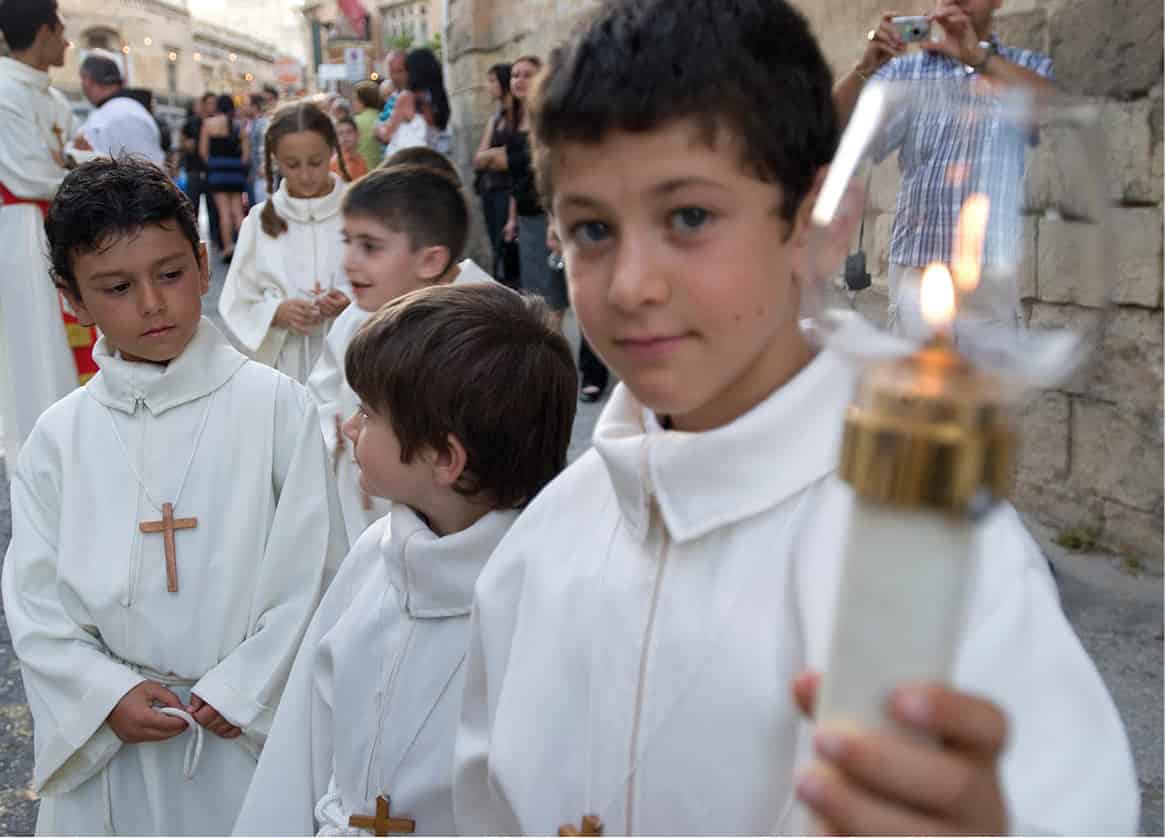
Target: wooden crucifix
(591, 825)
(166, 527)
(383, 823)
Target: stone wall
(1092, 458)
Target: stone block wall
(1093, 455)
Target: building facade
(164, 49)
(346, 50)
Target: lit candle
(927, 451)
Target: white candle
(899, 609)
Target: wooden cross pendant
(166, 527)
(591, 825)
(383, 824)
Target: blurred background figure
(349, 135)
(492, 177)
(226, 150)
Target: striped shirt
(937, 142)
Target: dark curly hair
(106, 198)
(752, 67)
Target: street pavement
(1114, 605)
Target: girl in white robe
(371, 706)
(286, 282)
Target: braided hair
(294, 118)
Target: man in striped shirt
(932, 141)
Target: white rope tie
(330, 814)
(193, 744)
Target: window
(172, 76)
(101, 37)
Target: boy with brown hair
(404, 228)
(364, 737)
(636, 636)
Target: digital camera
(912, 28)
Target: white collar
(703, 481)
(21, 72)
(206, 363)
(309, 210)
(435, 575)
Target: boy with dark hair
(170, 531)
(364, 737)
(405, 228)
(636, 635)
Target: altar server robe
(635, 636)
(336, 402)
(37, 361)
(85, 591)
(266, 271)
(372, 702)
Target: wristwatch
(989, 49)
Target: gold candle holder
(929, 431)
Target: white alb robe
(720, 553)
(336, 402)
(372, 702)
(37, 361)
(85, 590)
(266, 271)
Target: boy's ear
(449, 465)
(432, 262)
(821, 252)
(203, 268)
(77, 308)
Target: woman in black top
(225, 149)
(527, 222)
(492, 181)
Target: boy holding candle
(636, 635)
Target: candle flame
(937, 296)
(970, 236)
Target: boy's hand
(300, 316)
(882, 783)
(333, 303)
(210, 719)
(134, 719)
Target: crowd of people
(343, 582)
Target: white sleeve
(305, 544)
(295, 768)
(1068, 768)
(478, 808)
(27, 167)
(72, 685)
(326, 384)
(249, 296)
